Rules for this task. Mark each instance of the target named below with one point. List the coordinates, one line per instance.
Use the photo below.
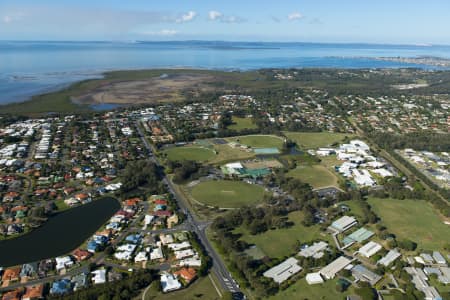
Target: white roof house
(343, 223)
(184, 253)
(439, 258)
(283, 271)
(315, 250)
(369, 249)
(445, 277)
(427, 258)
(358, 144)
(141, 256)
(124, 255)
(63, 262)
(179, 246)
(391, 256)
(383, 172)
(330, 270)
(194, 261)
(156, 253)
(166, 239)
(127, 247)
(362, 177)
(235, 165)
(169, 283)
(314, 278)
(99, 276)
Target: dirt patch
(262, 164)
(153, 90)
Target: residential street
(218, 267)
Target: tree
(367, 293)
(407, 245)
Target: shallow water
(29, 68)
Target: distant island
(421, 60)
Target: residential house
(188, 274)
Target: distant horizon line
(225, 41)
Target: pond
(104, 106)
(61, 234)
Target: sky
(352, 21)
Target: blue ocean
(29, 68)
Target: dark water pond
(59, 235)
(104, 106)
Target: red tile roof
(34, 292)
(12, 295)
(187, 274)
(11, 274)
(162, 213)
(80, 254)
(132, 201)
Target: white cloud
(295, 16)
(12, 17)
(214, 15)
(168, 32)
(163, 32)
(187, 17)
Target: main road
(199, 228)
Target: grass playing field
(242, 123)
(226, 153)
(190, 153)
(259, 141)
(314, 140)
(413, 219)
(282, 242)
(316, 175)
(227, 194)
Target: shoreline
(60, 98)
(427, 62)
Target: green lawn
(227, 194)
(316, 175)
(242, 123)
(226, 153)
(190, 153)
(413, 219)
(61, 205)
(355, 208)
(259, 141)
(314, 140)
(201, 289)
(282, 242)
(300, 290)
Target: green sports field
(189, 153)
(259, 141)
(227, 194)
(413, 219)
(316, 175)
(242, 123)
(314, 140)
(225, 153)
